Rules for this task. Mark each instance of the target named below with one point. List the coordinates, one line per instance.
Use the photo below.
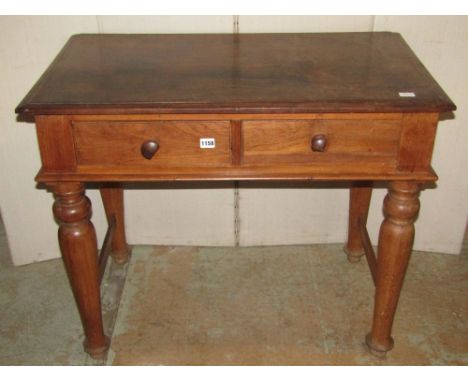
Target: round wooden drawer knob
(149, 148)
(319, 142)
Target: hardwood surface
(112, 199)
(401, 206)
(346, 141)
(102, 143)
(77, 239)
(360, 146)
(223, 73)
(359, 200)
(131, 108)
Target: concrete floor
(257, 306)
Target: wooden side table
(358, 107)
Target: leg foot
(121, 258)
(98, 353)
(353, 257)
(376, 349)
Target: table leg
(401, 206)
(78, 244)
(359, 200)
(112, 198)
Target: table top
(245, 73)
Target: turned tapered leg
(112, 198)
(401, 206)
(359, 200)
(78, 244)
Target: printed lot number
(207, 143)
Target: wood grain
(113, 201)
(244, 73)
(118, 144)
(233, 116)
(236, 142)
(347, 141)
(78, 245)
(359, 201)
(417, 141)
(263, 98)
(401, 206)
(50, 130)
(325, 171)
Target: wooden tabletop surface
(225, 73)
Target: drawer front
(346, 141)
(119, 143)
